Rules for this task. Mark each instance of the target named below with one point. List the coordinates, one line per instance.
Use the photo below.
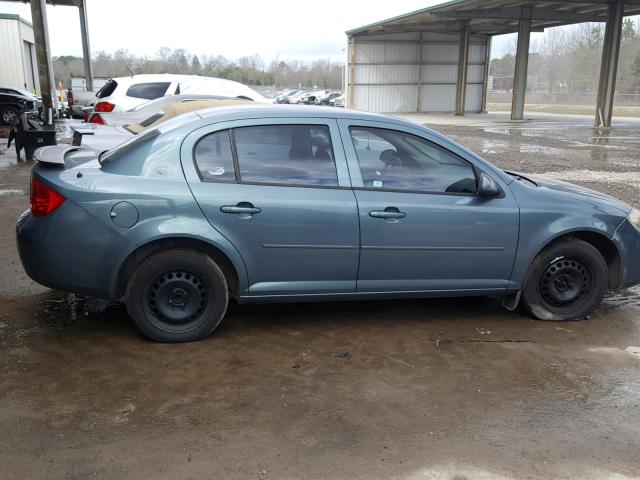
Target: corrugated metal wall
(397, 72)
(11, 66)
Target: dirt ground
(429, 389)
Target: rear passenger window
(286, 154)
(148, 91)
(214, 158)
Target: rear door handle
(389, 212)
(242, 207)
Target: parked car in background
(265, 203)
(310, 98)
(296, 97)
(144, 110)
(326, 98)
(12, 104)
(337, 102)
(124, 93)
(284, 95)
(102, 137)
(78, 101)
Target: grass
(566, 109)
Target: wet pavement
(429, 389)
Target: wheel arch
(600, 242)
(229, 269)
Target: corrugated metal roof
(496, 17)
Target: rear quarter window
(107, 89)
(148, 91)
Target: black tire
(8, 115)
(177, 296)
(566, 281)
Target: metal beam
(609, 65)
(419, 92)
(86, 50)
(352, 72)
(43, 57)
(463, 67)
(513, 13)
(485, 85)
(522, 60)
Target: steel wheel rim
(8, 116)
(565, 282)
(177, 300)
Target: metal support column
(463, 67)
(609, 65)
(352, 72)
(485, 83)
(522, 60)
(419, 92)
(43, 57)
(86, 49)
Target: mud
(434, 389)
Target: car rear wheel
(177, 296)
(8, 115)
(566, 281)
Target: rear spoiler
(78, 133)
(59, 155)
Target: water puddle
(628, 296)
(9, 192)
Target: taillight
(95, 118)
(44, 200)
(103, 107)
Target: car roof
(257, 110)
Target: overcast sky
(276, 28)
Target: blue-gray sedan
(271, 204)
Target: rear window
(148, 91)
(107, 89)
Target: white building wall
(391, 75)
(11, 66)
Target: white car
(124, 93)
(103, 137)
(295, 99)
(337, 102)
(144, 110)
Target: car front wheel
(566, 281)
(177, 296)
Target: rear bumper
(70, 250)
(627, 238)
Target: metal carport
(436, 59)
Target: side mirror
(488, 187)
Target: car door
(279, 190)
(423, 227)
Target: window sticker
(377, 184)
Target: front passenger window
(395, 160)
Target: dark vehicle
(12, 105)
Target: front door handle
(242, 207)
(389, 212)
